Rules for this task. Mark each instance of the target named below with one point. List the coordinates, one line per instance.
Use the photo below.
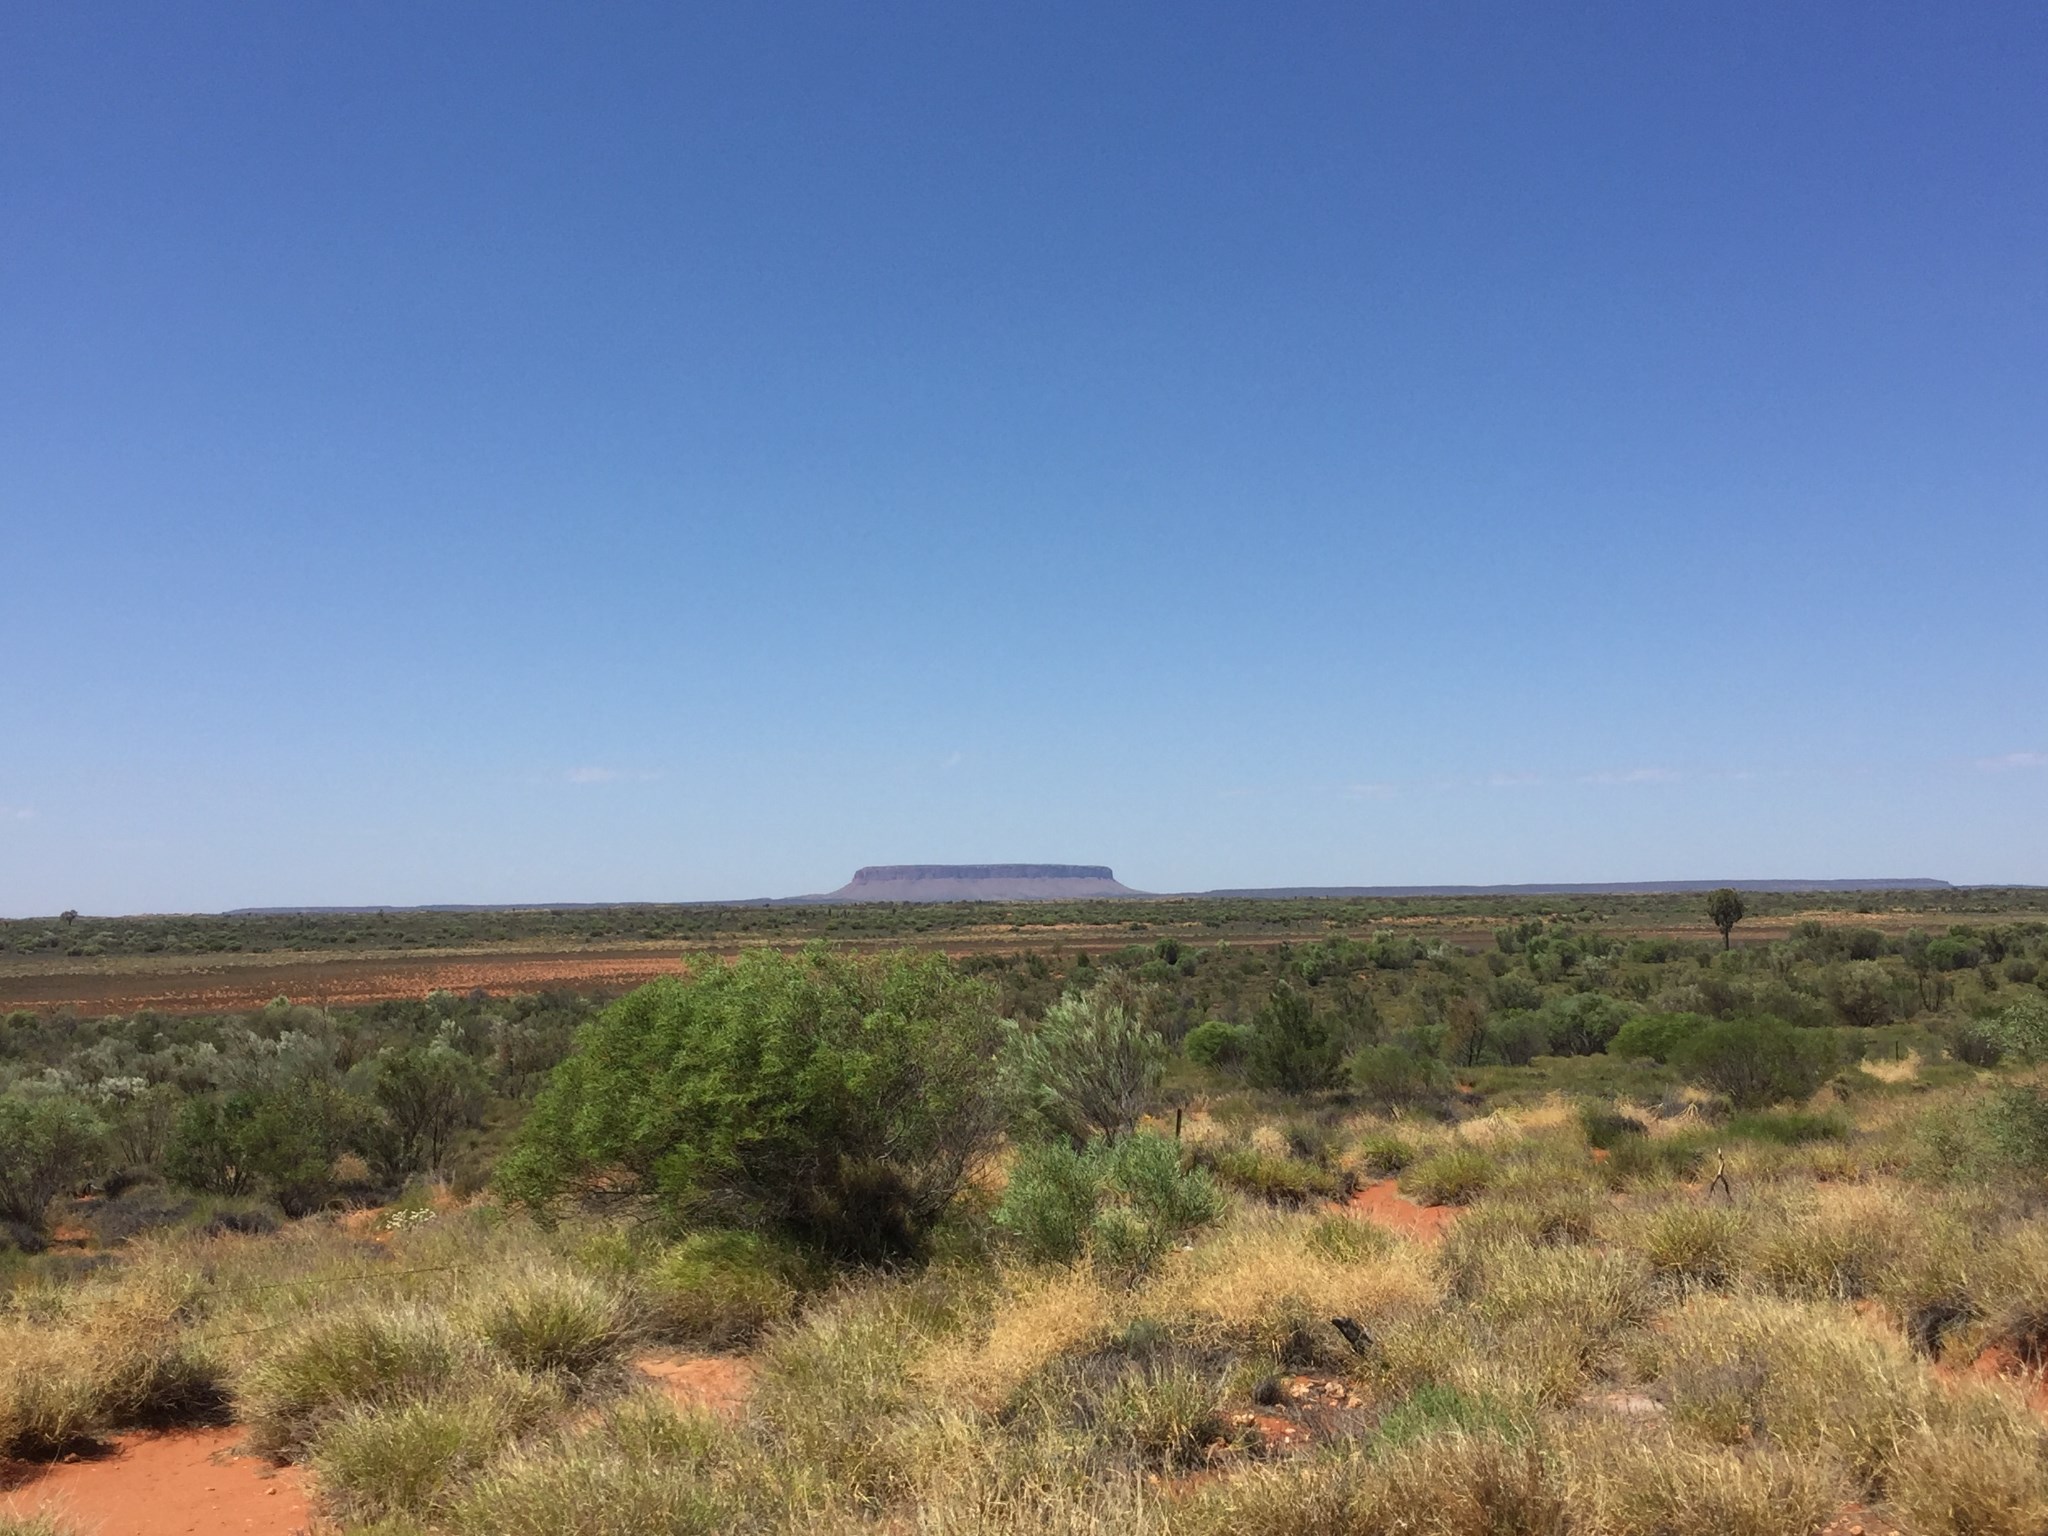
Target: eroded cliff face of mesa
(981, 882)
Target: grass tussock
(555, 1322)
(411, 1458)
(367, 1354)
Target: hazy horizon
(469, 455)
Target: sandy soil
(1384, 1203)
(182, 1483)
(719, 1384)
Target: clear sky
(493, 452)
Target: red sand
(718, 1384)
(184, 1483)
(1384, 1203)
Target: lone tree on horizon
(1725, 908)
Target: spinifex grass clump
(1456, 1176)
(555, 1322)
(366, 1354)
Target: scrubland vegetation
(1566, 1232)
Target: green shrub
(48, 1144)
(1456, 1176)
(1086, 1068)
(1756, 1062)
(1217, 1043)
(1293, 1049)
(842, 1099)
(1390, 1077)
(2015, 1120)
(1049, 1204)
(1606, 1128)
(1124, 1202)
(1584, 1023)
(2020, 1029)
(1654, 1036)
(724, 1289)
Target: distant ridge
(1081, 882)
(1601, 888)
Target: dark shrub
(48, 1144)
(1217, 1043)
(1605, 1127)
(1756, 1062)
(1292, 1049)
(1389, 1077)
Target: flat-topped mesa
(981, 882)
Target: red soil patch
(1384, 1203)
(183, 1483)
(717, 1384)
(2000, 1363)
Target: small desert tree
(427, 1094)
(47, 1145)
(1086, 1069)
(1725, 908)
(1291, 1048)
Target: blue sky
(504, 452)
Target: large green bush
(1655, 1035)
(838, 1098)
(47, 1144)
(1756, 1062)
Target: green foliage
(1264, 1176)
(1434, 1409)
(1584, 1023)
(48, 1144)
(1384, 1153)
(1087, 1068)
(724, 1290)
(1725, 908)
(2020, 1029)
(1757, 1062)
(283, 1140)
(1788, 1128)
(1654, 1036)
(839, 1098)
(427, 1093)
(1292, 1048)
(1217, 1043)
(1455, 1176)
(1124, 1202)
(2016, 1123)
(1862, 994)
(1392, 1077)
